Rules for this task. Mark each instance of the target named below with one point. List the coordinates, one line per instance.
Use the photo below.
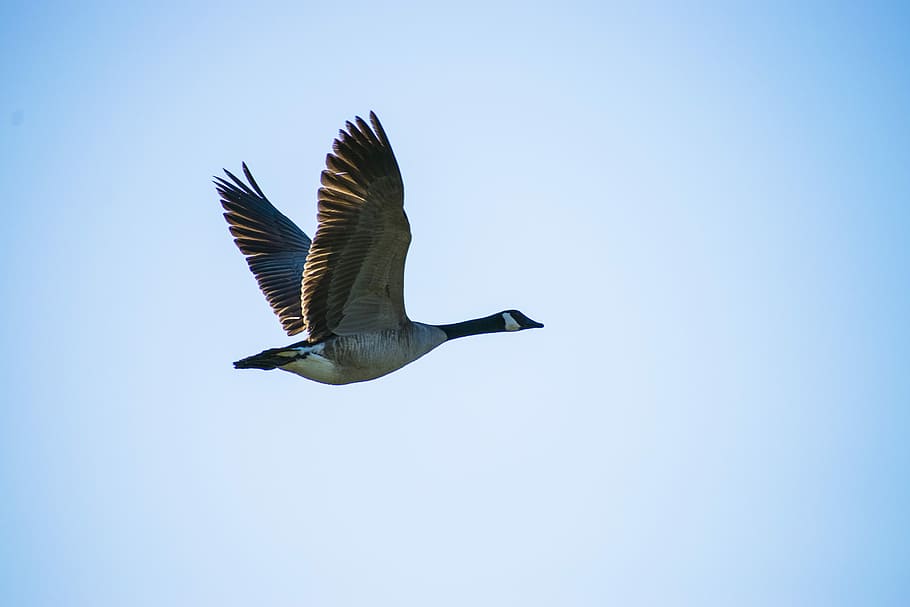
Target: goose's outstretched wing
(275, 248)
(354, 274)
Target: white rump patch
(511, 324)
(305, 350)
(314, 366)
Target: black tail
(267, 359)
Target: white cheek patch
(511, 325)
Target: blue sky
(707, 206)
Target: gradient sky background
(708, 207)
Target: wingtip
(249, 177)
(377, 128)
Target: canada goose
(346, 287)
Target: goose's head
(513, 320)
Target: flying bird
(345, 288)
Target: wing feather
(354, 272)
(274, 247)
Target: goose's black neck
(488, 324)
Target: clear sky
(707, 206)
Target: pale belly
(356, 358)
